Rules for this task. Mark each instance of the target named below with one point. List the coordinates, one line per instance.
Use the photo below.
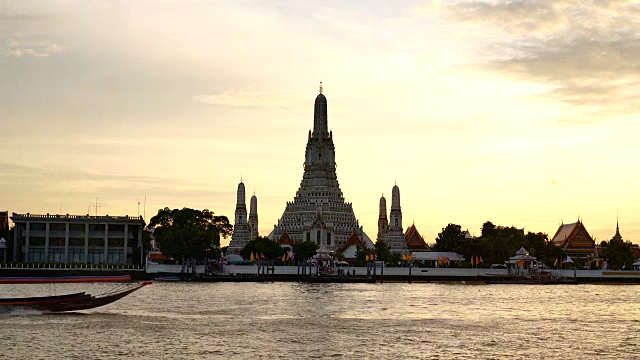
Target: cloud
(248, 98)
(587, 51)
(13, 47)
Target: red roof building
(349, 249)
(285, 240)
(575, 240)
(415, 241)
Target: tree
(450, 239)
(618, 253)
(382, 250)
(262, 245)
(188, 233)
(304, 250)
(361, 255)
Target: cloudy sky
(523, 113)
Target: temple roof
(354, 240)
(285, 239)
(413, 238)
(564, 231)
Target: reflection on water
(295, 320)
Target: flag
(262, 255)
(251, 257)
(560, 262)
(555, 263)
(473, 258)
(284, 257)
(481, 261)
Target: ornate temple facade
(383, 223)
(575, 240)
(318, 211)
(391, 232)
(394, 236)
(244, 228)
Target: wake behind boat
(69, 302)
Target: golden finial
(320, 87)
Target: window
(37, 226)
(57, 227)
(56, 255)
(96, 256)
(115, 256)
(318, 237)
(96, 227)
(308, 236)
(76, 255)
(96, 242)
(36, 241)
(76, 227)
(328, 239)
(36, 255)
(118, 242)
(56, 241)
(76, 241)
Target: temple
(244, 228)
(413, 239)
(318, 211)
(575, 240)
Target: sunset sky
(523, 113)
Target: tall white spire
(253, 217)
(395, 238)
(240, 236)
(383, 223)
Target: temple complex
(575, 240)
(318, 211)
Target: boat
(62, 279)
(68, 302)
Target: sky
(522, 113)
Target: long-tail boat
(69, 302)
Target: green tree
(361, 254)
(618, 253)
(187, 234)
(262, 245)
(382, 250)
(304, 250)
(450, 239)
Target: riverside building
(76, 238)
(318, 211)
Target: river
(296, 320)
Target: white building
(77, 238)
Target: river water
(296, 321)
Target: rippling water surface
(293, 320)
